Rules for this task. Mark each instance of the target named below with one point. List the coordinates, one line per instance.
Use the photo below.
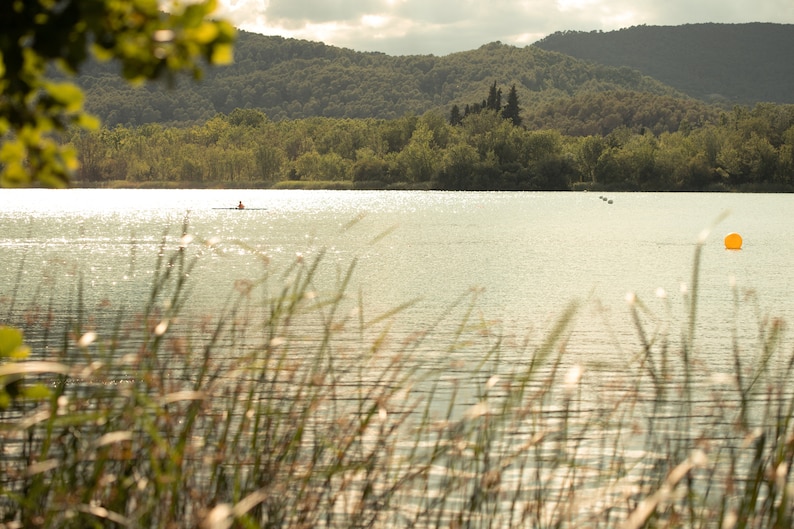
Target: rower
(240, 205)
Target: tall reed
(296, 407)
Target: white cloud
(401, 27)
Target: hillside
(291, 79)
(735, 63)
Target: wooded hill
(293, 79)
(735, 63)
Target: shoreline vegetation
(297, 408)
(743, 149)
(345, 185)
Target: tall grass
(295, 407)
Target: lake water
(527, 254)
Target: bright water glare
(527, 255)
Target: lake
(508, 264)
(527, 254)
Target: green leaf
(36, 392)
(88, 122)
(12, 151)
(223, 54)
(11, 340)
(14, 175)
(194, 14)
(67, 94)
(205, 33)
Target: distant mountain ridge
(735, 63)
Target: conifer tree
(512, 110)
(454, 116)
(494, 101)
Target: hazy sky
(407, 27)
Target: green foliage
(14, 388)
(294, 79)
(12, 344)
(743, 149)
(602, 112)
(147, 44)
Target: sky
(441, 27)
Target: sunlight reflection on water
(529, 254)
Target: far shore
(343, 185)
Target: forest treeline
(746, 148)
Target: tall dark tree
(494, 101)
(454, 115)
(512, 110)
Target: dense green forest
(295, 79)
(741, 149)
(296, 113)
(735, 63)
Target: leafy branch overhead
(148, 43)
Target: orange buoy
(733, 241)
